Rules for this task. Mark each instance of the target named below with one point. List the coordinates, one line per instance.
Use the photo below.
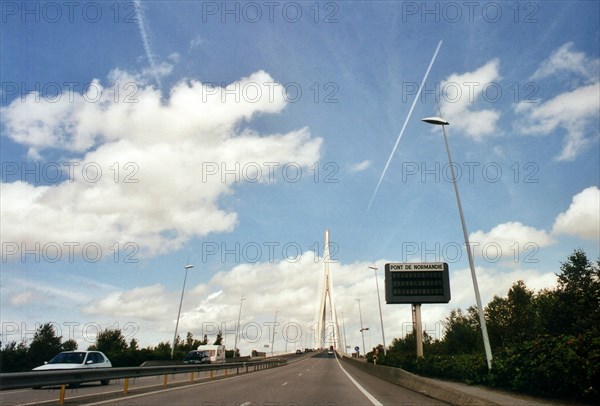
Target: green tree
(574, 306)
(497, 316)
(162, 350)
(522, 313)
(219, 339)
(183, 347)
(13, 357)
(45, 345)
(70, 345)
(511, 319)
(550, 318)
(579, 275)
(190, 342)
(114, 346)
(462, 332)
(133, 345)
(111, 342)
(579, 289)
(402, 351)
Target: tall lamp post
(379, 303)
(187, 267)
(237, 330)
(344, 330)
(362, 329)
(486, 341)
(274, 327)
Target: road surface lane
(319, 380)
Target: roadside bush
(468, 368)
(564, 366)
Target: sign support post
(418, 328)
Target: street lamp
(274, 327)
(362, 329)
(344, 330)
(237, 330)
(486, 340)
(379, 303)
(179, 312)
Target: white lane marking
(246, 404)
(300, 374)
(374, 401)
(283, 384)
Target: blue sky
(234, 134)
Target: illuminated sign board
(425, 282)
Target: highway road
(318, 380)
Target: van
(216, 353)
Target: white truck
(215, 352)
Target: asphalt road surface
(318, 380)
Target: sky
(138, 137)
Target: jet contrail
(146, 42)
(405, 122)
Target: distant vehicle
(197, 357)
(77, 360)
(215, 352)
(330, 350)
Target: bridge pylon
(328, 328)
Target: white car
(76, 360)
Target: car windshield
(68, 358)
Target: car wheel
(105, 381)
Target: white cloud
(565, 60)
(196, 42)
(143, 303)
(360, 166)
(288, 286)
(29, 293)
(162, 163)
(459, 94)
(582, 218)
(499, 151)
(175, 57)
(494, 282)
(514, 241)
(575, 111)
(509, 242)
(22, 298)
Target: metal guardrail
(19, 380)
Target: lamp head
(435, 120)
